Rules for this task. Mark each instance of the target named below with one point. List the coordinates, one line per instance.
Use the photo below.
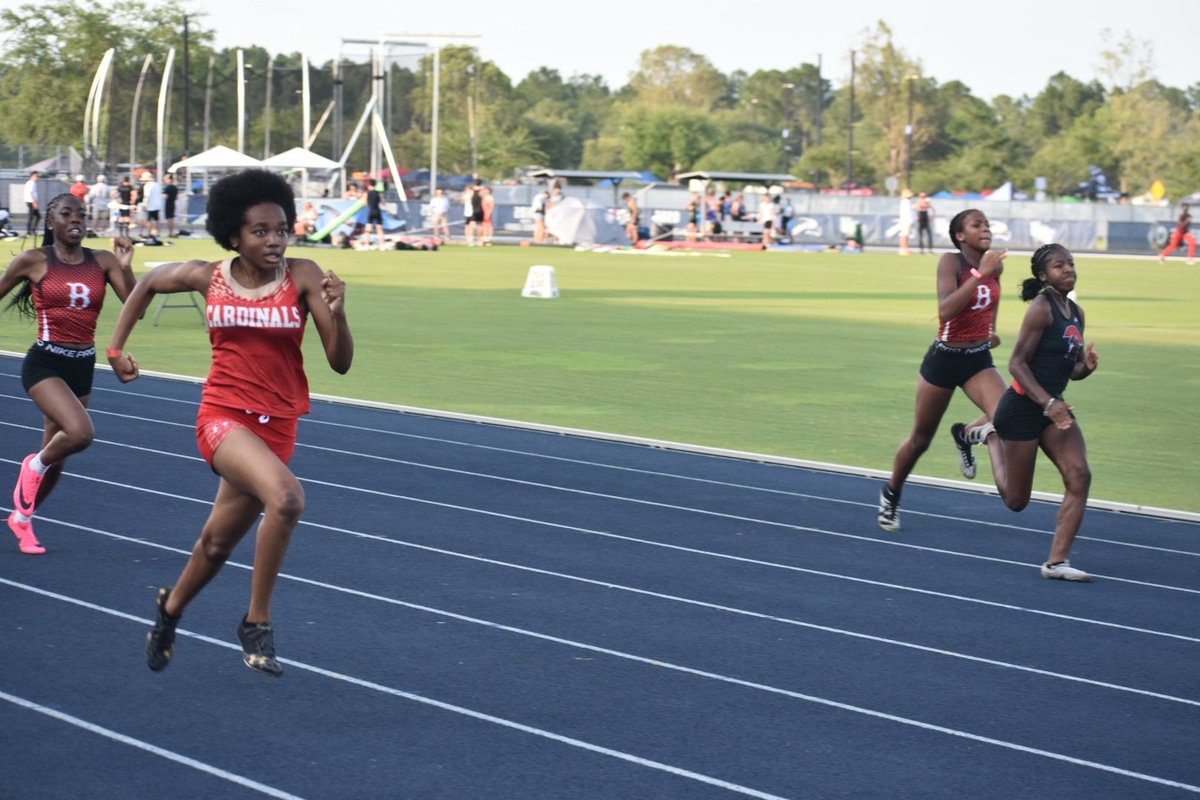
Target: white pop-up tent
(219, 157)
(303, 160)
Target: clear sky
(995, 48)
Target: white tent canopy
(299, 158)
(219, 157)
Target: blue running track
(478, 611)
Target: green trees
(677, 112)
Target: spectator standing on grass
(125, 198)
(374, 194)
(631, 226)
(541, 203)
(1032, 414)
(487, 228)
(80, 189)
(32, 205)
(905, 220)
(766, 218)
(786, 212)
(468, 204)
(924, 208)
(968, 292)
(1179, 235)
(170, 194)
(99, 196)
(63, 289)
(257, 303)
(152, 201)
(439, 211)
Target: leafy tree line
(678, 112)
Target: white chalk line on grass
(739, 789)
(121, 738)
(693, 551)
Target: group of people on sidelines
(144, 207)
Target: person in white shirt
(439, 212)
(97, 203)
(766, 218)
(31, 203)
(152, 204)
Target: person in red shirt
(1181, 234)
(960, 357)
(258, 304)
(64, 287)
(80, 189)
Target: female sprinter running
(258, 303)
(64, 290)
(1049, 352)
(968, 291)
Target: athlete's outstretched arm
(325, 296)
(176, 276)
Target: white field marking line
(632, 590)
(708, 553)
(822, 498)
(822, 701)
(636, 500)
(681, 447)
(121, 738)
(707, 513)
(507, 723)
(694, 551)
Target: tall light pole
(908, 133)
(850, 129)
(788, 88)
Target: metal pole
(267, 110)
(164, 96)
(187, 91)
(850, 129)
(241, 101)
(137, 98)
(788, 88)
(908, 132)
(306, 99)
(433, 150)
(208, 100)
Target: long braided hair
(22, 301)
(1032, 287)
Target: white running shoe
(1063, 571)
(966, 459)
(978, 436)
(889, 512)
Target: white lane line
(695, 551)
(822, 701)
(802, 495)
(940, 652)
(121, 738)
(439, 704)
(668, 506)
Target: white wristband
(1050, 402)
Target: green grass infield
(802, 355)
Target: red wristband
(978, 275)
(115, 353)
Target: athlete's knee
(1016, 502)
(80, 437)
(286, 502)
(1077, 479)
(215, 548)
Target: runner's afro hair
(234, 195)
